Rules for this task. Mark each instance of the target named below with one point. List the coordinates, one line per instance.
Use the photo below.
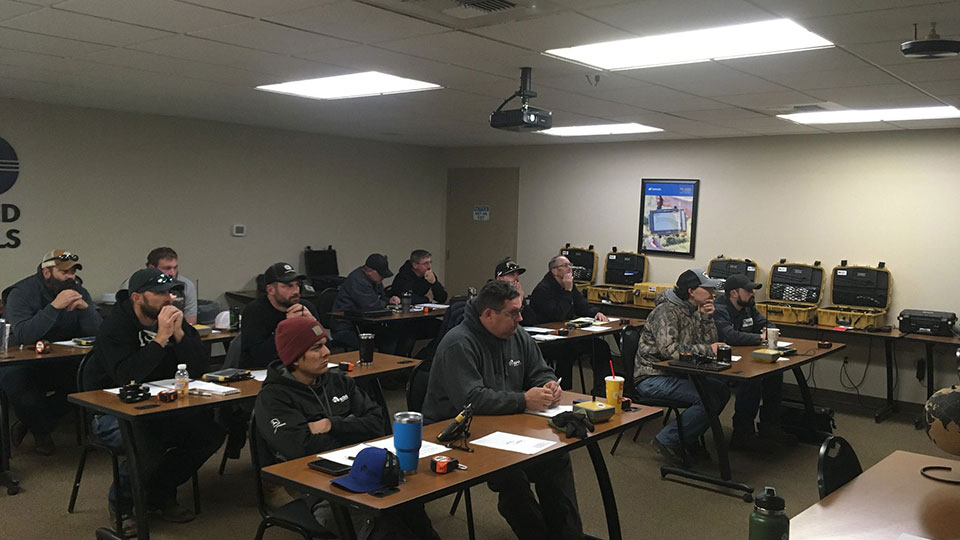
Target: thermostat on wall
(239, 230)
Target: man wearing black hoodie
(50, 305)
(144, 340)
(304, 409)
(416, 277)
(556, 299)
(492, 364)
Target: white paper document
(734, 358)
(782, 359)
(545, 337)
(259, 374)
(345, 456)
(552, 411)
(171, 384)
(71, 343)
(538, 330)
(432, 306)
(784, 343)
(513, 443)
(595, 328)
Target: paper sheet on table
(427, 448)
(545, 337)
(595, 328)
(609, 320)
(71, 343)
(343, 456)
(513, 443)
(213, 388)
(259, 374)
(538, 330)
(734, 358)
(782, 359)
(784, 343)
(433, 306)
(552, 411)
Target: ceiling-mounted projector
(931, 46)
(526, 118)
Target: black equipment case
(322, 268)
(621, 270)
(922, 321)
(722, 267)
(860, 296)
(793, 292)
(811, 428)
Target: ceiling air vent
(489, 6)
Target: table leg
(7, 479)
(344, 524)
(890, 406)
(136, 487)
(919, 422)
(804, 391)
(606, 492)
(721, 447)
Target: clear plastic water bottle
(182, 380)
(769, 521)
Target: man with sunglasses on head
(143, 340)
(556, 299)
(166, 260)
(496, 367)
(49, 305)
(261, 317)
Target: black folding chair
(837, 465)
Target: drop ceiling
(203, 58)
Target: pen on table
(559, 381)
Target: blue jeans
(695, 419)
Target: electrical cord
(844, 372)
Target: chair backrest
(84, 412)
(234, 353)
(837, 465)
(324, 304)
(629, 343)
(417, 386)
(260, 457)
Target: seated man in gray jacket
(492, 364)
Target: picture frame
(668, 216)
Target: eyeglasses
(515, 315)
(63, 257)
(564, 265)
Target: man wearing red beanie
(304, 409)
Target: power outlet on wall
(238, 230)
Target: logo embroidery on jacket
(748, 322)
(340, 399)
(277, 424)
(513, 363)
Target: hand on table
(539, 398)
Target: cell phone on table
(329, 467)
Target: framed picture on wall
(668, 216)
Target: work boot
(128, 523)
(750, 442)
(669, 453)
(44, 445)
(173, 512)
(17, 433)
(697, 451)
(779, 436)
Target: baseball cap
(507, 266)
(378, 262)
(153, 280)
(696, 277)
(282, 272)
(740, 281)
(373, 469)
(62, 259)
(295, 336)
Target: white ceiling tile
(929, 124)
(833, 78)
(552, 32)
(655, 17)
(871, 126)
(38, 43)
(8, 9)
(768, 126)
(883, 53)
(358, 22)
(930, 70)
(881, 96)
(584, 81)
(770, 101)
(550, 98)
(886, 25)
(178, 66)
(797, 62)
(706, 79)
(271, 37)
(722, 116)
(260, 8)
(68, 25)
(941, 88)
(952, 100)
(163, 14)
(658, 98)
(458, 48)
(820, 8)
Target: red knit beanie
(295, 336)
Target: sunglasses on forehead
(162, 279)
(63, 257)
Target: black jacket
(27, 308)
(285, 407)
(407, 280)
(125, 351)
(259, 323)
(358, 293)
(473, 366)
(552, 303)
(739, 327)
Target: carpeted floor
(650, 508)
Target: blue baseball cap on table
(373, 469)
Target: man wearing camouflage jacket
(682, 322)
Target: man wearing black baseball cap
(144, 339)
(509, 271)
(682, 322)
(261, 317)
(740, 323)
(363, 291)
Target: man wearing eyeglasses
(49, 305)
(556, 299)
(488, 362)
(261, 317)
(143, 340)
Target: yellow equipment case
(723, 267)
(793, 291)
(645, 294)
(860, 296)
(584, 262)
(620, 271)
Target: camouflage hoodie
(674, 326)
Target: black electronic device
(787, 351)
(923, 321)
(457, 432)
(330, 467)
(696, 361)
(824, 345)
(526, 118)
(372, 314)
(133, 392)
(228, 375)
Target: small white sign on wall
(481, 212)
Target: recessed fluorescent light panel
(751, 39)
(603, 129)
(872, 115)
(370, 83)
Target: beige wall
(866, 197)
(111, 186)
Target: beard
(291, 301)
(55, 286)
(149, 311)
(749, 303)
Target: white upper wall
(110, 186)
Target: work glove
(572, 424)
